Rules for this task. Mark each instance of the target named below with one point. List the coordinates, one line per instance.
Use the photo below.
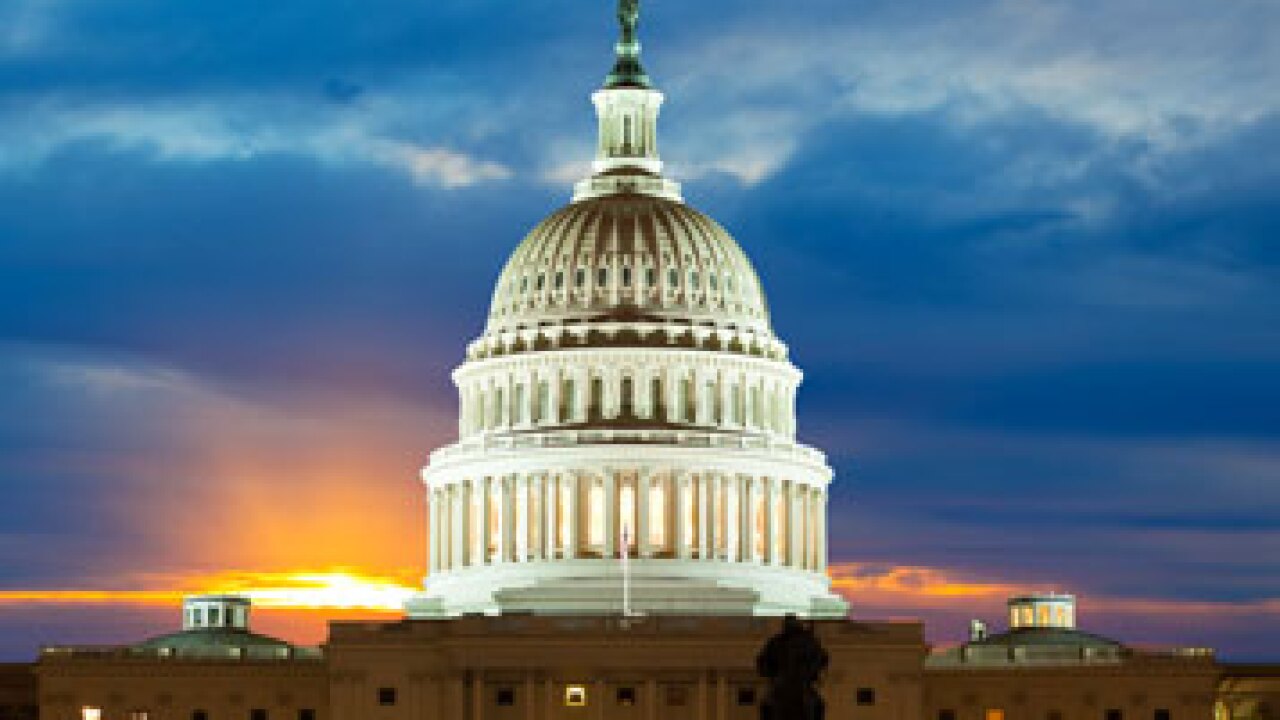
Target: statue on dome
(792, 661)
(629, 15)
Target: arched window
(657, 403)
(626, 403)
(712, 400)
(595, 401)
(567, 400)
(595, 514)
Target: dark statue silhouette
(792, 661)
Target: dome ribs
(624, 268)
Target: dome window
(650, 277)
(626, 277)
(602, 277)
(560, 280)
(542, 280)
(673, 278)
(714, 283)
(693, 279)
(524, 284)
(581, 278)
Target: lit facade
(628, 396)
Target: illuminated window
(565, 515)
(867, 696)
(657, 512)
(759, 514)
(995, 714)
(575, 696)
(139, 715)
(595, 514)
(90, 713)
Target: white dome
(628, 257)
(627, 399)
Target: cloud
(238, 130)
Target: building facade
(625, 515)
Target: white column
(643, 491)
(810, 548)
(680, 490)
(745, 526)
(575, 518)
(702, 405)
(773, 539)
(433, 529)
(466, 497)
(522, 518)
(457, 527)
(821, 531)
(796, 546)
(759, 530)
(485, 527)
(551, 414)
(726, 402)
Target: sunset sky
(1026, 251)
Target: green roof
(212, 639)
(1042, 637)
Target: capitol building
(628, 398)
(626, 516)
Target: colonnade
(724, 397)
(671, 514)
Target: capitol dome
(626, 427)
(628, 257)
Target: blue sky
(1026, 252)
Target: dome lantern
(627, 107)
